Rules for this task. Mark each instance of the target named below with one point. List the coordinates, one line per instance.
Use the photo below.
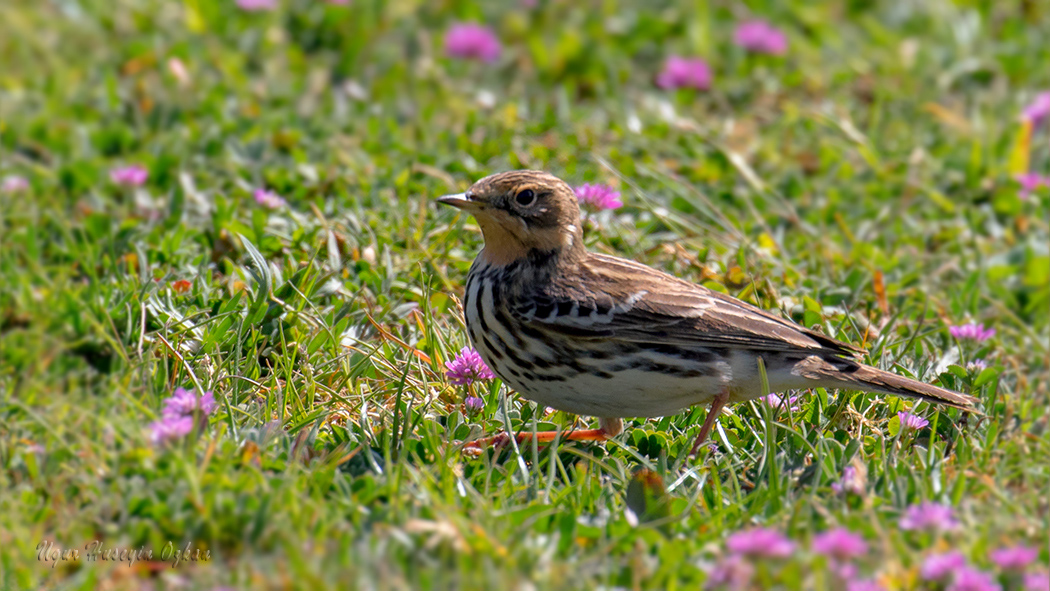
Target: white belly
(630, 393)
(639, 393)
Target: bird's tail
(849, 374)
(869, 378)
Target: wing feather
(614, 298)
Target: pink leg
(712, 415)
(608, 429)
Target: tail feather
(853, 375)
(871, 379)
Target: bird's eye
(525, 197)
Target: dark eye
(525, 197)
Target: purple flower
(680, 72)
(1031, 181)
(910, 421)
(1038, 581)
(928, 516)
(268, 199)
(842, 569)
(183, 402)
(474, 404)
(974, 332)
(1038, 109)
(938, 566)
(851, 482)
(177, 417)
(129, 176)
(1014, 557)
(472, 41)
(207, 403)
(760, 541)
(733, 571)
(598, 197)
(760, 37)
(777, 401)
(170, 428)
(840, 543)
(13, 184)
(977, 365)
(971, 579)
(256, 5)
(864, 585)
(467, 367)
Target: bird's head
(521, 213)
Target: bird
(607, 337)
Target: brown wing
(613, 298)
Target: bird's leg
(607, 429)
(712, 415)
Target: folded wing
(617, 299)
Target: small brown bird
(598, 335)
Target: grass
(862, 183)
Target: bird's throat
(501, 248)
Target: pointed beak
(459, 200)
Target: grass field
(240, 201)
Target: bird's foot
(712, 416)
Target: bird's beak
(460, 200)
